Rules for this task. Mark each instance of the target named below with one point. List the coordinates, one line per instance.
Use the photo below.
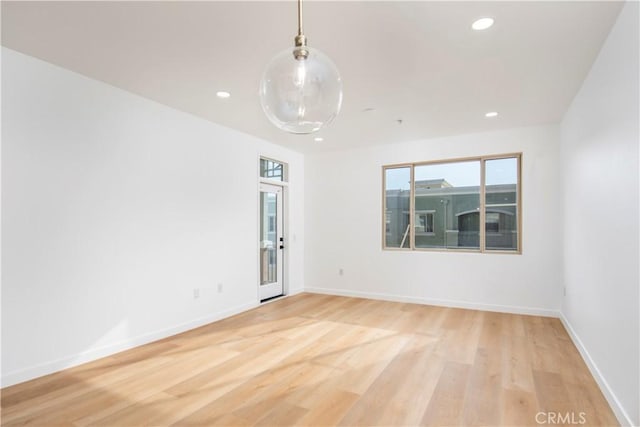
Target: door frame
(284, 258)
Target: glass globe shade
(301, 95)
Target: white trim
(295, 291)
(438, 302)
(67, 362)
(622, 416)
(279, 287)
(40, 370)
(273, 182)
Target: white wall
(343, 229)
(114, 209)
(599, 149)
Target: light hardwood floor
(323, 360)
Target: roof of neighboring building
(433, 183)
(448, 191)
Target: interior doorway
(271, 239)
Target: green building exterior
(449, 217)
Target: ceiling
(418, 62)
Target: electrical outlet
(564, 291)
(341, 272)
(196, 293)
(219, 288)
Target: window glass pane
(501, 209)
(424, 222)
(268, 233)
(272, 170)
(450, 193)
(396, 216)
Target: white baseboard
(295, 291)
(47, 368)
(622, 416)
(32, 372)
(438, 302)
(613, 401)
(16, 377)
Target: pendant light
(301, 89)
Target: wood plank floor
(321, 360)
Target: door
(271, 242)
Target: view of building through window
(272, 170)
(448, 210)
(501, 204)
(397, 195)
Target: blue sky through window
(458, 174)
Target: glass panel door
(271, 241)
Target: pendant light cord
(300, 33)
(301, 41)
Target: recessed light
(318, 139)
(491, 114)
(223, 94)
(482, 24)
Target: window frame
(284, 177)
(482, 206)
(384, 206)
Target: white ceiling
(415, 61)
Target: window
(447, 188)
(449, 200)
(501, 203)
(492, 222)
(424, 222)
(397, 185)
(272, 170)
